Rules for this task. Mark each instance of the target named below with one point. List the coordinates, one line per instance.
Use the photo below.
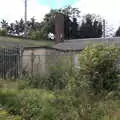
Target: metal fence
(10, 63)
(14, 64)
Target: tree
(70, 15)
(17, 27)
(70, 12)
(117, 34)
(21, 25)
(4, 24)
(48, 24)
(91, 27)
(67, 27)
(11, 27)
(74, 28)
(70, 21)
(33, 24)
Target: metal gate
(10, 63)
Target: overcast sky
(11, 10)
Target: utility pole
(25, 34)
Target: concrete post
(59, 28)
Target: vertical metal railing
(10, 63)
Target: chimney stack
(59, 28)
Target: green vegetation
(30, 104)
(91, 26)
(4, 115)
(100, 66)
(57, 77)
(89, 92)
(36, 35)
(3, 32)
(13, 41)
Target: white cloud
(12, 10)
(108, 9)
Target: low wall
(39, 60)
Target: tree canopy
(90, 25)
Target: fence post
(32, 62)
(21, 61)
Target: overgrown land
(90, 91)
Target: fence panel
(10, 63)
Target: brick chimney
(59, 27)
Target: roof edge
(52, 48)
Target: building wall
(34, 60)
(40, 60)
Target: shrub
(56, 79)
(23, 84)
(35, 35)
(35, 81)
(3, 32)
(36, 105)
(81, 96)
(29, 104)
(9, 99)
(99, 66)
(84, 106)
